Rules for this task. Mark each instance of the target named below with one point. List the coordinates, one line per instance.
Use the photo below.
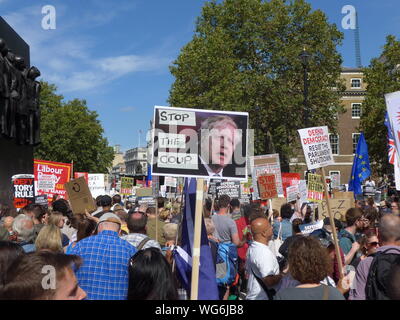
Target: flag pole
(333, 226)
(72, 169)
(197, 240)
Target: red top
(241, 224)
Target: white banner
(96, 184)
(170, 182)
(316, 147)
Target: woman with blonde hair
(57, 219)
(49, 239)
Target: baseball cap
(110, 217)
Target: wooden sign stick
(197, 240)
(332, 221)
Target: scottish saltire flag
(208, 289)
(390, 136)
(361, 169)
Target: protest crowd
(126, 250)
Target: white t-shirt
(262, 261)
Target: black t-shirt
(284, 248)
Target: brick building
(343, 143)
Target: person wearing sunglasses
(368, 245)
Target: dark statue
(19, 98)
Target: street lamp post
(305, 57)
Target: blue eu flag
(361, 169)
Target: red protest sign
(267, 186)
(50, 177)
(289, 179)
(82, 174)
(23, 190)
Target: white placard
(309, 228)
(316, 147)
(96, 184)
(170, 182)
(175, 117)
(177, 160)
(303, 192)
(291, 193)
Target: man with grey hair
(23, 227)
(389, 241)
(219, 137)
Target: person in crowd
(371, 217)
(137, 236)
(384, 208)
(207, 208)
(356, 222)
(165, 215)
(40, 218)
(284, 227)
(49, 239)
(308, 213)
(123, 215)
(7, 225)
(395, 206)
(261, 265)
(368, 245)
(98, 204)
(128, 206)
(106, 204)
(7, 211)
(176, 213)
(9, 252)
(326, 238)
(104, 273)
(62, 206)
(23, 227)
(210, 228)
(389, 242)
(85, 225)
(25, 277)
(309, 264)
(116, 200)
(150, 277)
(235, 209)
(152, 221)
(296, 233)
(225, 227)
(170, 231)
(58, 219)
(4, 234)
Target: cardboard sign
(80, 196)
(266, 164)
(144, 192)
(267, 186)
(343, 195)
(292, 193)
(277, 203)
(315, 188)
(126, 185)
(50, 177)
(316, 147)
(182, 139)
(24, 192)
(230, 188)
(97, 184)
(338, 208)
(310, 227)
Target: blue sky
(115, 54)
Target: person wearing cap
(104, 273)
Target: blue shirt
(346, 240)
(286, 230)
(104, 272)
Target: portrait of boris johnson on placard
(200, 143)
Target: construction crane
(357, 43)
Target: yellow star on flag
(360, 157)
(360, 175)
(363, 169)
(352, 177)
(363, 163)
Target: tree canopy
(382, 76)
(244, 56)
(72, 132)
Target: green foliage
(71, 132)
(245, 53)
(381, 77)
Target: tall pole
(305, 97)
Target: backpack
(227, 263)
(376, 286)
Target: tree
(382, 76)
(244, 56)
(71, 132)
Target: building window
(335, 178)
(356, 136)
(334, 139)
(355, 110)
(356, 83)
